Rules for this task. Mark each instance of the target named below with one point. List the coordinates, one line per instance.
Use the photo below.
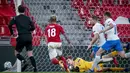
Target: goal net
(72, 15)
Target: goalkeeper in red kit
(52, 36)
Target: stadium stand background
(73, 16)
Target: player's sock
(96, 61)
(89, 71)
(55, 61)
(64, 62)
(98, 67)
(106, 59)
(110, 59)
(21, 58)
(115, 61)
(24, 67)
(127, 55)
(65, 66)
(63, 59)
(33, 62)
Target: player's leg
(95, 49)
(97, 59)
(52, 53)
(123, 54)
(18, 49)
(52, 47)
(53, 58)
(115, 53)
(59, 54)
(99, 67)
(62, 58)
(120, 50)
(110, 57)
(112, 54)
(106, 58)
(30, 54)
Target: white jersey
(112, 33)
(96, 29)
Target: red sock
(115, 61)
(65, 66)
(63, 59)
(64, 62)
(55, 61)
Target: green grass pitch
(64, 72)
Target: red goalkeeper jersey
(52, 32)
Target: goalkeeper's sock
(117, 69)
(21, 58)
(33, 62)
(55, 61)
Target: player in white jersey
(113, 40)
(98, 39)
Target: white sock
(98, 67)
(127, 55)
(106, 59)
(95, 62)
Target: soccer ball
(70, 67)
(7, 65)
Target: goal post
(18, 62)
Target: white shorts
(54, 49)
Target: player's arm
(92, 54)
(94, 39)
(111, 25)
(96, 30)
(44, 36)
(11, 23)
(64, 34)
(32, 27)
